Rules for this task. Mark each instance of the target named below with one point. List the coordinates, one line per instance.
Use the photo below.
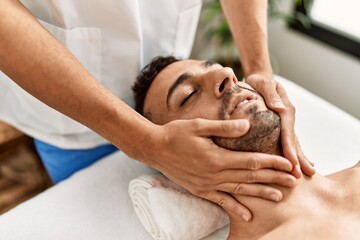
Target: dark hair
(146, 77)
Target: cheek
(262, 106)
(205, 110)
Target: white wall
(323, 70)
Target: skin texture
(253, 49)
(318, 208)
(60, 81)
(208, 90)
(264, 125)
(264, 130)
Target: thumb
(273, 100)
(268, 89)
(221, 128)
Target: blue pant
(62, 163)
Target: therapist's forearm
(37, 62)
(248, 23)
(180, 149)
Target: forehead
(170, 73)
(155, 100)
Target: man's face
(191, 89)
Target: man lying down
(321, 207)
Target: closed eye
(187, 98)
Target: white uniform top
(113, 39)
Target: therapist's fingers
(255, 176)
(276, 99)
(186, 154)
(254, 190)
(266, 86)
(288, 137)
(291, 144)
(229, 204)
(307, 167)
(289, 149)
(220, 128)
(252, 161)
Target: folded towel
(168, 211)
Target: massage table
(94, 203)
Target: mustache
(228, 96)
(239, 87)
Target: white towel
(168, 211)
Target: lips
(240, 101)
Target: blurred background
(314, 43)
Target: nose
(224, 81)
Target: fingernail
(245, 217)
(242, 123)
(278, 104)
(274, 197)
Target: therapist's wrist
(259, 64)
(255, 75)
(150, 145)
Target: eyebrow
(182, 78)
(208, 63)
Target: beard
(264, 132)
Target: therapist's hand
(185, 153)
(276, 99)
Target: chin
(248, 110)
(263, 135)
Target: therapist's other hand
(276, 98)
(186, 154)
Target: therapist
(81, 58)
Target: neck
(312, 197)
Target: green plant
(218, 31)
(275, 12)
(218, 35)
